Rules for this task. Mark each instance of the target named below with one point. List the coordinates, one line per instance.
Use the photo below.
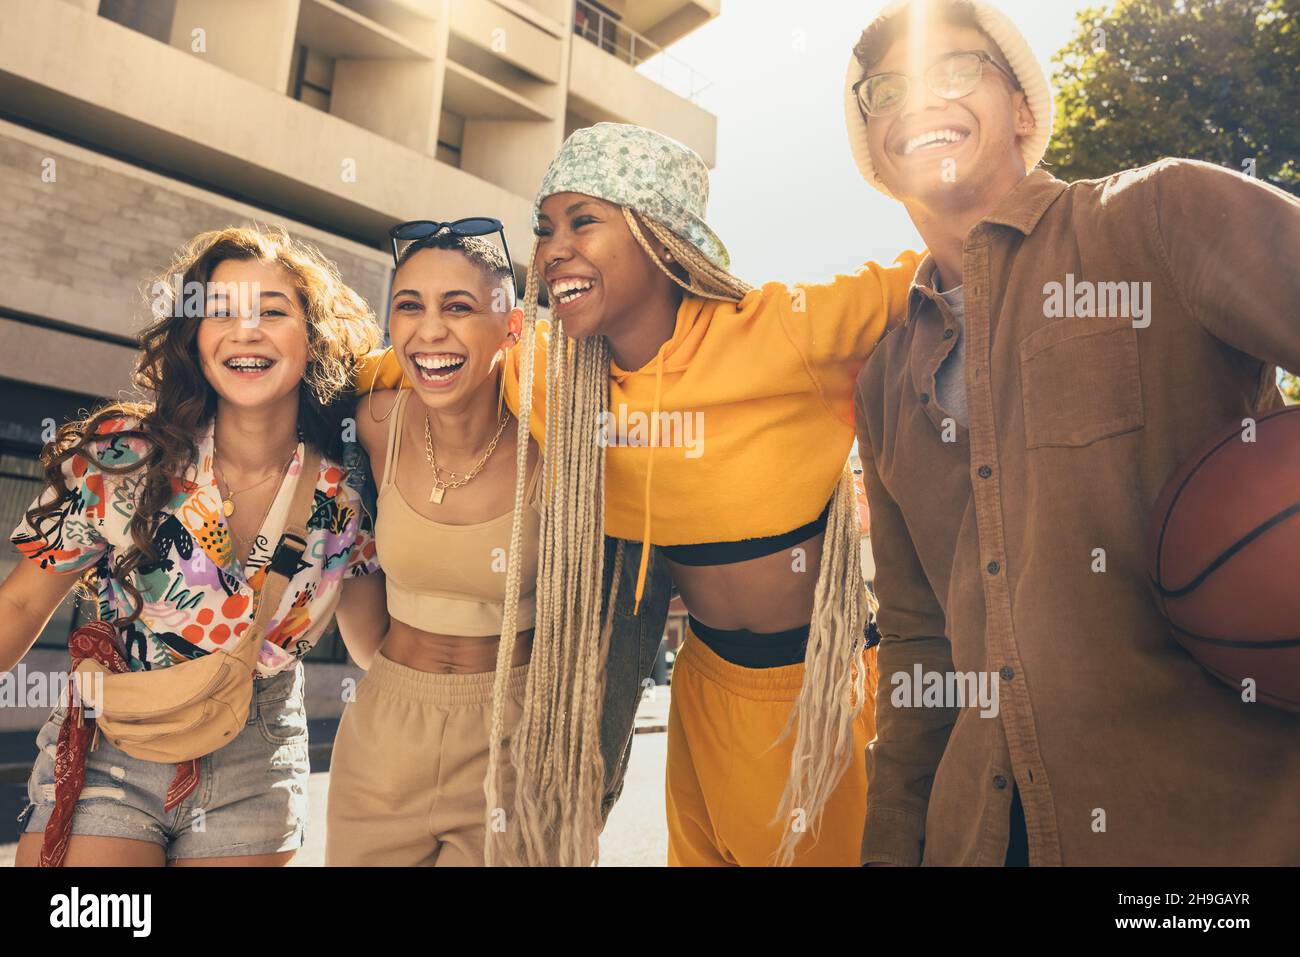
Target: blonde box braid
(835, 682)
(555, 752)
(832, 693)
(703, 278)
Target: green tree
(1214, 80)
(1291, 388)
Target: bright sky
(787, 198)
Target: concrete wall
(250, 38)
(181, 113)
(514, 39)
(78, 250)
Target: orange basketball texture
(1224, 556)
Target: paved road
(635, 835)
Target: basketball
(1224, 556)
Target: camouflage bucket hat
(642, 170)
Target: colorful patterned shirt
(196, 596)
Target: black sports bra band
(765, 649)
(728, 553)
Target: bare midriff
(768, 594)
(449, 654)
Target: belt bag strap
(285, 560)
(195, 707)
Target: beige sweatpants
(409, 764)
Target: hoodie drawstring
(649, 472)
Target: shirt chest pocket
(1080, 382)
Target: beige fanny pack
(193, 708)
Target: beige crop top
(450, 579)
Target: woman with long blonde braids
(681, 408)
(685, 409)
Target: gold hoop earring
(370, 395)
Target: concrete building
(127, 126)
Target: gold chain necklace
(239, 542)
(439, 486)
(228, 500)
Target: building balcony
(120, 91)
(605, 86)
(618, 74)
(660, 22)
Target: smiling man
(1009, 438)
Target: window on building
(451, 137)
(153, 18)
(448, 153)
(312, 78)
(596, 24)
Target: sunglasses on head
(950, 77)
(404, 235)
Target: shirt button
(1007, 673)
(925, 398)
(985, 471)
(999, 782)
(948, 333)
(994, 568)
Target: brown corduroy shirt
(1124, 750)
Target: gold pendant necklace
(228, 500)
(439, 486)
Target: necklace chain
(439, 486)
(228, 507)
(228, 500)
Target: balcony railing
(649, 59)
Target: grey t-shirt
(950, 380)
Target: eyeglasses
(950, 77)
(421, 229)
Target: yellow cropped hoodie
(754, 405)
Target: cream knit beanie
(1028, 72)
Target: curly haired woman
(171, 508)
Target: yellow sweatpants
(408, 769)
(725, 777)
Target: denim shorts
(251, 797)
